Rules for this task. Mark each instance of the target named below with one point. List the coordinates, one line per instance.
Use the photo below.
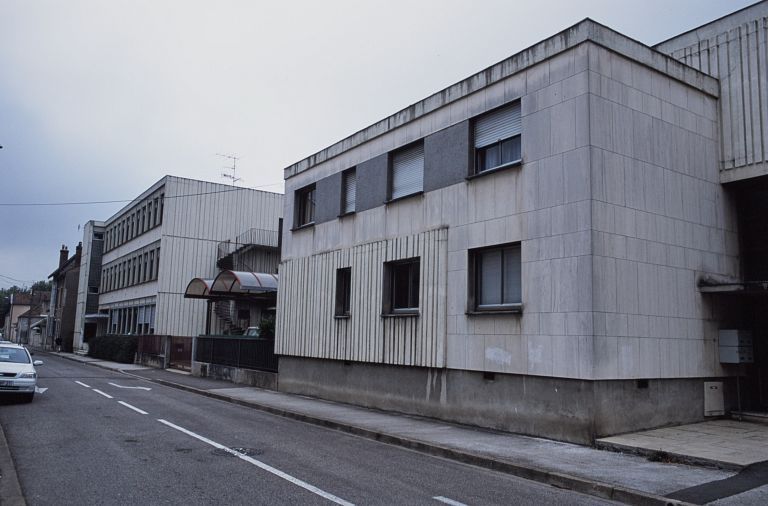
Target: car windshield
(13, 355)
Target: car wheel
(28, 397)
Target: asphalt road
(93, 437)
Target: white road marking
(135, 388)
(102, 393)
(132, 407)
(448, 501)
(82, 384)
(40, 390)
(261, 465)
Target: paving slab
(724, 443)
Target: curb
(555, 479)
(10, 488)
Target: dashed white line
(448, 501)
(82, 384)
(135, 388)
(141, 411)
(261, 465)
(102, 393)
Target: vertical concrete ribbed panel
(306, 325)
(197, 216)
(739, 58)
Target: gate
(181, 353)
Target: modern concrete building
(164, 238)
(531, 249)
(87, 315)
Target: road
(93, 437)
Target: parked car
(17, 371)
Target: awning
(244, 282)
(230, 284)
(198, 288)
(96, 316)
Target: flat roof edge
(693, 35)
(586, 30)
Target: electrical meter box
(714, 404)
(735, 346)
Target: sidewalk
(618, 476)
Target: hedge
(115, 348)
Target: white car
(17, 371)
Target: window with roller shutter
(498, 136)
(407, 171)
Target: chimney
(63, 255)
(79, 249)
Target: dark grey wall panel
(446, 157)
(372, 183)
(327, 198)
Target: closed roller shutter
(497, 125)
(407, 171)
(350, 191)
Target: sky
(101, 98)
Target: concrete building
(32, 324)
(166, 236)
(87, 315)
(530, 249)
(21, 306)
(64, 282)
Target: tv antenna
(232, 177)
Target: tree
(41, 286)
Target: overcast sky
(101, 98)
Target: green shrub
(114, 348)
(267, 327)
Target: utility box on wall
(713, 398)
(735, 346)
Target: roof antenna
(232, 177)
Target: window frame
(474, 282)
(343, 293)
(478, 151)
(299, 207)
(390, 287)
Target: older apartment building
(142, 258)
(535, 248)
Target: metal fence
(235, 351)
(152, 345)
(251, 237)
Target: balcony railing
(254, 237)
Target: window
(98, 236)
(401, 286)
(348, 191)
(343, 291)
(498, 138)
(93, 289)
(495, 283)
(305, 206)
(407, 172)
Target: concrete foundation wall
(250, 377)
(156, 361)
(557, 408)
